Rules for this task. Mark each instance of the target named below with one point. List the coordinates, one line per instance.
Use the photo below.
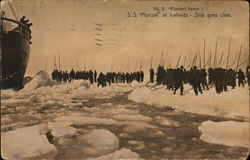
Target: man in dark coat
(241, 78)
(248, 75)
(95, 76)
(91, 77)
(141, 76)
(152, 73)
(204, 79)
(179, 78)
(101, 80)
(72, 74)
(195, 80)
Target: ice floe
(122, 154)
(79, 120)
(28, 142)
(63, 132)
(41, 79)
(231, 104)
(130, 117)
(166, 122)
(100, 141)
(228, 133)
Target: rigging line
(12, 9)
(98, 24)
(17, 9)
(21, 8)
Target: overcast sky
(68, 27)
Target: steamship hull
(14, 58)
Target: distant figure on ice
(179, 79)
(66, 77)
(220, 79)
(241, 78)
(195, 80)
(57, 75)
(160, 74)
(95, 76)
(204, 79)
(101, 80)
(141, 76)
(72, 74)
(232, 78)
(91, 76)
(170, 79)
(248, 75)
(211, 76)
(152, 73)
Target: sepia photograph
(124, 79)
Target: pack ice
(26, 143)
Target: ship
(15, 50)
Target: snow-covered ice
(41, 90)
(166, 149)
(54, 125)
(43, 98)
(122, 154)
(8, 93)
(130, 117)
(100, 141)
(166, 122)
(79, 120)
(135, 143)
(228, 133)
(28, 142)
(119, 111)
(231, 104)
(64, 141)
(136, 126)
(41, 79)
(138, 145)
(63, 132)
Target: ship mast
(59, 61)
(46, 63)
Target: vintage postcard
(124, 79)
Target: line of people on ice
(120, 77)
(64, 76)
(102, 79)
(199, 79)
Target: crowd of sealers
(174, 78)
